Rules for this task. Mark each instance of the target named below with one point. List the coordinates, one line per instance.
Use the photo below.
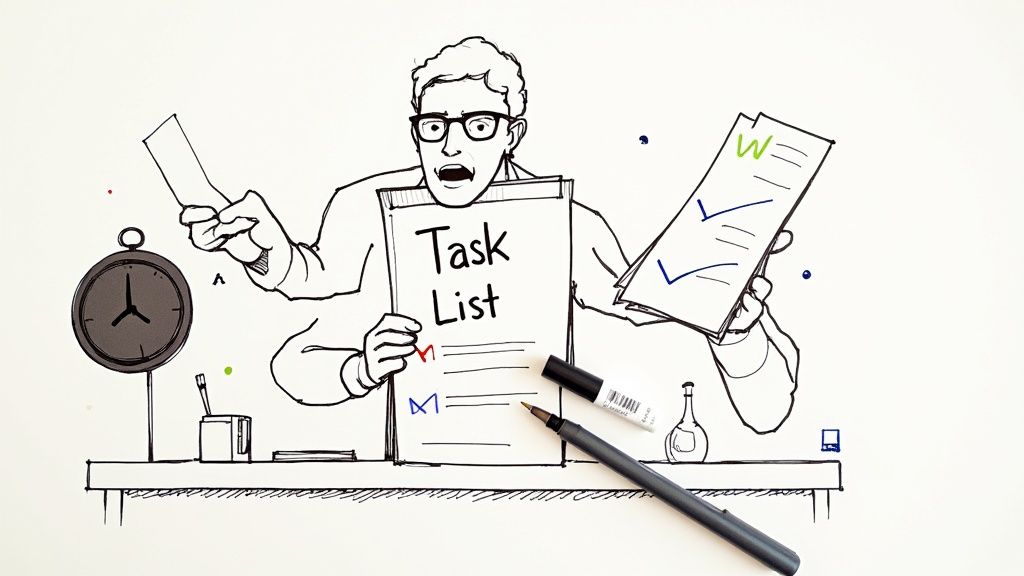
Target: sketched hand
(201, 221)
(387, 344)
(243, 229)
(752, 304)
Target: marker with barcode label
(595, 390)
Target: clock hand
(135, 311)
(121, 316)
(128, 290)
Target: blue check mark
(707, 217)
(672, 281)
(421, 407)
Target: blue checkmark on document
(681, 276)
(421, 407)
(706, 217)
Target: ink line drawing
(311, 478)
(734, 187)
(128, 330)
(485, 265)
(830, 440)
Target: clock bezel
(165, 352)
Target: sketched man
(469, 102)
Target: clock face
(132, 311)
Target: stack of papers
(697, 269)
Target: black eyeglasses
(478, 126)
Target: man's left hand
(752, 304)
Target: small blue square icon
(829, 440)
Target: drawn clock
(132, 312)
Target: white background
(910, 325)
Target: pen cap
(568, 376)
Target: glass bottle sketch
(687, 442)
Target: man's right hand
(243, 229)
(387, 345)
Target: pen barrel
(742, 535)
(206, 400)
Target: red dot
(110, 191)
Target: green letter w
(757, 153)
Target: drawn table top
(732, 476)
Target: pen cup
(225, 438)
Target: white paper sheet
(490, 285)
(180, 166)
(697, 269)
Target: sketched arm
(758, 362)
(317, 375)
(598, 263)
(250, 232)
(331, 266)
(759, 371)
(311, 373)
(302, 272)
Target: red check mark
(423, 353)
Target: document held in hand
(489, 283)
(180, 166)
(697, 269)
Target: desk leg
(113, 506)
(821, 503)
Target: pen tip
(527, 406)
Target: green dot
(227, 370)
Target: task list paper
(696, 270)
(489, 283)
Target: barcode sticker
(623, 401)
(632, 409)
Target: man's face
(458, 168)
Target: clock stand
(132, 312)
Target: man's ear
(516, 131)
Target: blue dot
(806, 274)
(643, 139)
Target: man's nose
(455, 139)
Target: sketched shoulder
(351, 201)
(368, 186)
(348, 235)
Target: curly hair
(473, 58)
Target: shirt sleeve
(314, 370)
(758, 370)
(598, 262)
(760, 374)
(334, 264)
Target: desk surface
(741, 476)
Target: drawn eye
(481, 126)
(431, 129)
(431, 126)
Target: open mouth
(454, 173)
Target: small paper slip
(489, 283)
(314, 456)
(180, 166)
(696, 270)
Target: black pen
(721, 522)
(201, 384)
